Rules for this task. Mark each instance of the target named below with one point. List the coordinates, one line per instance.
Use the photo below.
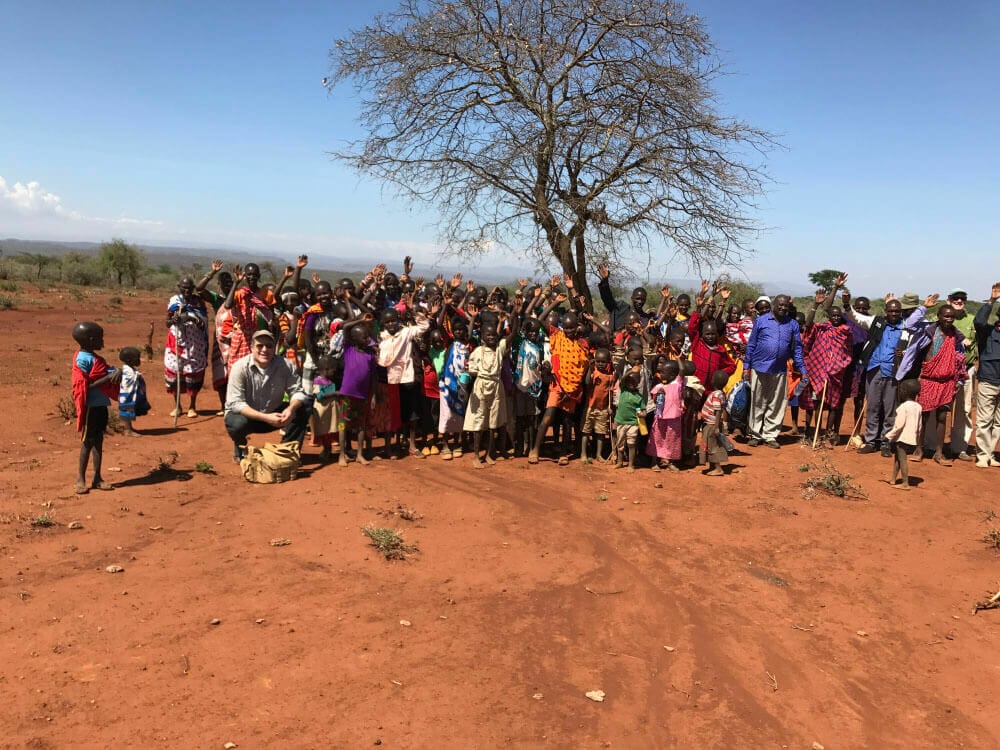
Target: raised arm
(238, 277)
(203, 284)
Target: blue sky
(206, 123)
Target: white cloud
(35, 206)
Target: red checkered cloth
(829, 352)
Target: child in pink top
(665, 434)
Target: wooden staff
(857, 426)
(819, 414)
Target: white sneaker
(993, 462)
(982, 463)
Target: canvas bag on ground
(272, 463)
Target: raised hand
(581, 300)
(237, 271)
(522, 283)
(724, 292)
(841, 280)
(407, 264)
(602, 270)
(665, 291)
(555, 281)
(538, 291)
(931, 300)
(568, 280)
(470, 285)
(289, 272)
(561, 297)
(716, 287)
(217, 265)
(456, 281)
(889, 296)
(439, 281)
(302, 262)
(704, 286)
(820, 297)
(419, 282)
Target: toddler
(132, 400)
(905, 434)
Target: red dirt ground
(532, 586)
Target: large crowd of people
(393, 366)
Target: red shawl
(82, 382)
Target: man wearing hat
(255, 399)
(888, 336)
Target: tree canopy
(578, 129)
(120, 260)
(824, 279)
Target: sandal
(943, 461)
(446, 456)
(563, 460)
(80, 488)
(415, 453)
(102, 485)
(457, 453)
(192, 414)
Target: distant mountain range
(185, 255)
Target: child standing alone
(94, 385)
(906, 433)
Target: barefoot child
(487, 409)
(712, 414)
(94, 385)
(630, 410)
(324, 417)
(906, 432)
(356, 386)
(665, 436)
(132, 401)
(596, 421)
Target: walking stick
(819, 414)
(857, 426)
(177, 382)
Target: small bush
(9, 286)
(7, 303)
(66, 408)
(388, 542)
(992, 539)
(115, 301)
(43, 521)
(204, 467)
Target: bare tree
(582, 128)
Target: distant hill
(186, 255)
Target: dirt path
(530, 581)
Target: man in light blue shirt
(774, 340)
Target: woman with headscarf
(222, 330)
(185, 357)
